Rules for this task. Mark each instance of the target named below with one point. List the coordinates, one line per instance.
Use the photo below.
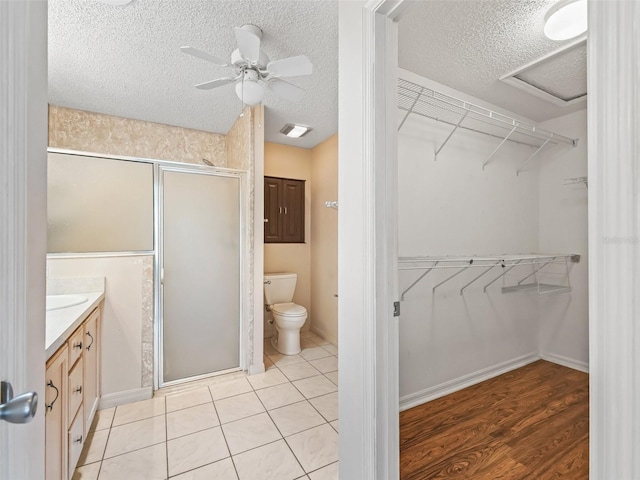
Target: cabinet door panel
(55, 417)
(75, 388)
(76, 343)
(76, 442)
(293, 200)
(272, 208)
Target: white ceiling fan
(253, 71)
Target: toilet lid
(289, 309)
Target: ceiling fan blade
(218, 82)
(248, 44)
(286, 90)
(291, 67)
(204, 55)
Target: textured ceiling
(564, 75)
(126, 60)
(469, 44)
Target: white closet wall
(564, 319)
(452, 207)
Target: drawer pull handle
(91, 337)
(50, 384)
(78, 345)
(78, 439)
(78, 389)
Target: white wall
(324, 240)
(564, 319)
(122, 324)
(452, 207)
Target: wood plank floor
(531, 423)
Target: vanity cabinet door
(75, 346)
(56, 416)
(91, 371)
(75, 442)
(75, 390)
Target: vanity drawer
(75, 386)
(76, 442)
(75, 346)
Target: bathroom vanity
(72, 378)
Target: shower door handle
(162, 276)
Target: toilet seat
(289, 310)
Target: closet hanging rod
(462, 264)
(413, 98)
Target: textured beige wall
(291, 162)
(238, 145)
(244, 152)
(98, 133)
(324, 240)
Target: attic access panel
(559, 78)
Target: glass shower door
(200, 273)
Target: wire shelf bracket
(443, 108)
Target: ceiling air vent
(560, 77)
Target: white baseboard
(128, 396)
(324, 334)
(437, 391)
(256, 369)
(565, 361)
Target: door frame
(367, 240)
(23, 230)
(159, 169)
(613, 210)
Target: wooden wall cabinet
(283, 210)
(72, 390)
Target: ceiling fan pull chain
(244, 70)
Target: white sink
(56, 302)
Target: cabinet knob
(78, 345)
(78, 439)
(78, 389)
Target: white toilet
(288, 317)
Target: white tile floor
(279, 425)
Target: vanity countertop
(61, 323)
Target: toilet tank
(279, 287)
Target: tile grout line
(283, 437)
(235, 469)
(166, 436)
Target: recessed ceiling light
(295, 131)
(567, 19)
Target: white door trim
(367, 240)
(23, 226)
(614, 239)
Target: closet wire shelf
(507, 263)
(425, 102)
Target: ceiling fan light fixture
(294, 130)
(249, 90)
(566, 19)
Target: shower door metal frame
(158, 380)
